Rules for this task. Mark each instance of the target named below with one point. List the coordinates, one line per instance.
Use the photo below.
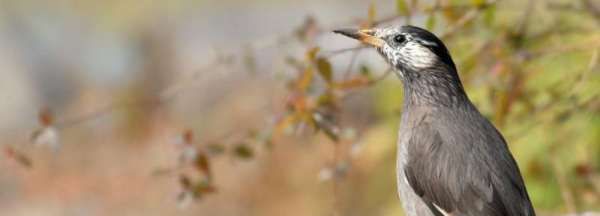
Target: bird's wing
(464, 179)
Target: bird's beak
(363, 35)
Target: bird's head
(419, 57)
(411, 50)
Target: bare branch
(333, 53)
(593, 9)
(468, 17)
(382, 77)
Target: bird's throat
(430, 88)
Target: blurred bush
(296, 121)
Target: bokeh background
(235, 107)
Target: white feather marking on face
(427, 43)
(412, 54)
(416, 55)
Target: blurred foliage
(532, 67)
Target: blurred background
(236, 107)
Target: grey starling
(451, 160)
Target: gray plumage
(451, 159)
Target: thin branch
(171, 92)
(450, 31)
(565, 190)
(333, 53)
(525, 18)
(591, 45)
(351, 63)
(382, 77)
(464, 20)
(166, 95)
(87, 116)
(593, 9)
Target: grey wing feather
(464, 179)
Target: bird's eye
(399, 39)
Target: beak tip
(347, 32)
(366, 36)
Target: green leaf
(243, 151)
(402, 7)
(478, 3)
(489, 14)
(431, 21)
(250, 60)
(365, 71)
(326, 99)
(311, 53)
(325, 70)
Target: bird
(451, 160)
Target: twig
(465, 19)
(382, 77)
(525, 18)
(333, 53)
(595, 44)
(166, 95)
(351, 63)
(593, 9)
(471, 15)
(566, 192)
(171, 92)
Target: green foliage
(402, 7)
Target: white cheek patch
(417, 56)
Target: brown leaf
(45, 117)
(19, 157)
(243, 151)
(188, 136)
(203, 165)
(583, 169)
(451, 14)
(185, 182)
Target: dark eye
(399, 39)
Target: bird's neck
(433, 88)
